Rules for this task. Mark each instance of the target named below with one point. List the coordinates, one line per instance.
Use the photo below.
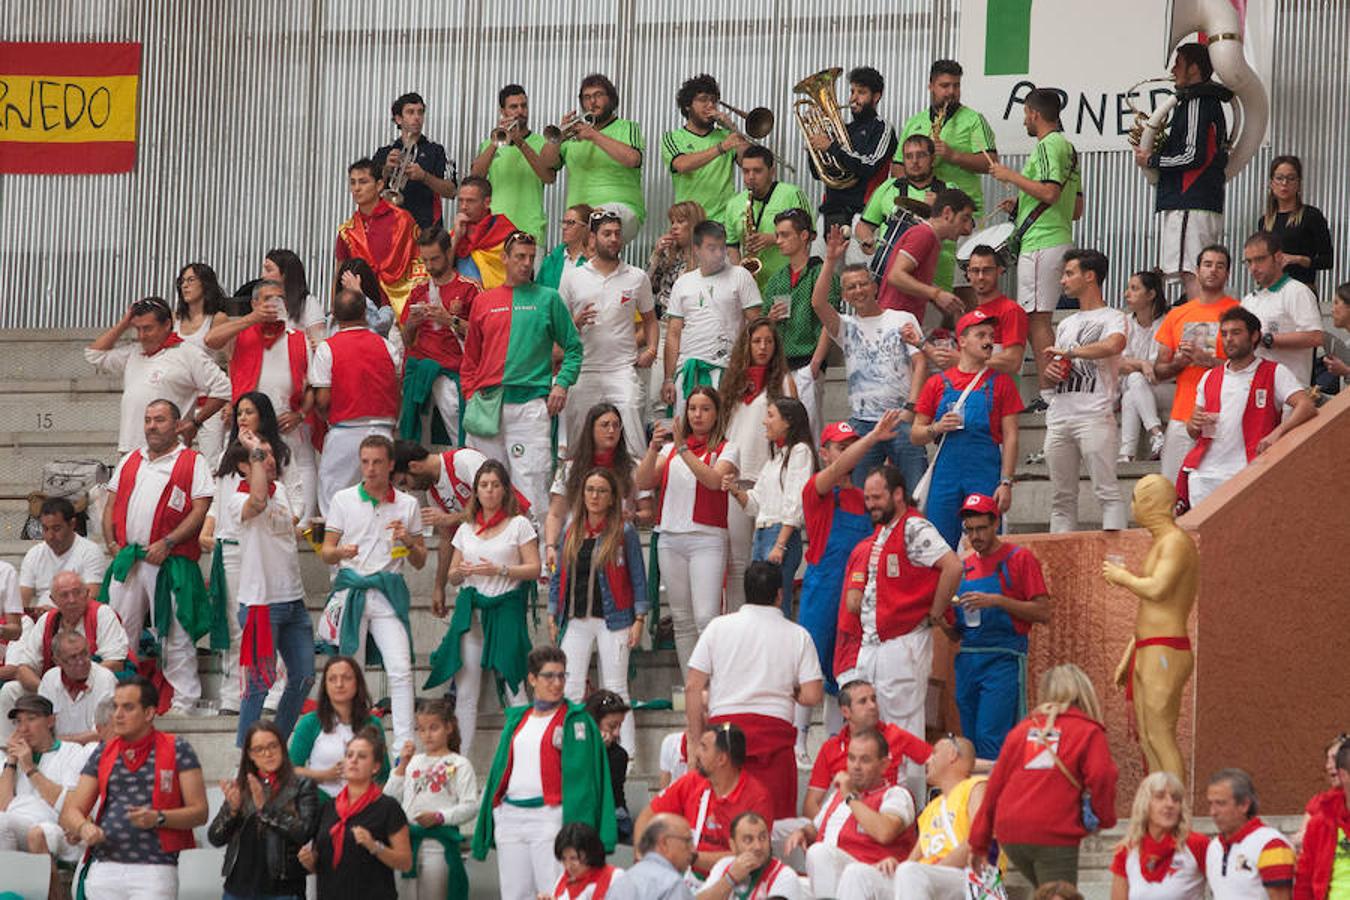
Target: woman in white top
(756, 374)
(201, 305)
(494, 565)
(439, 792)
(304, 312)
(691, 525)
(1139, 399)
(1160, 857)
(319, 742)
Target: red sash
(600, 877)
(550, 760)
(54, 622)
(398, 256)
(365, 382)
(769, 757)
(246, 364)
(166, 519)
(710, 507)
(1176, 643)
(857, 843)
(1260, 418)
(166, 794)
(616, 574)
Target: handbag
(483, 413)
(1089, 817)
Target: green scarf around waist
(180, 594)
(506, 636)
(448, 836)
(419, 375)
(395, 590)
(696, 372)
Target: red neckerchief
(754, 383)
(245, 489)
(74, 688)
(135, 755)
(173, 340)
(271, 332)
(575, 886)
(270, 780)
(1155, 857)
(696, 445)
(346, 809)
(497, 518)
(781, 442)
(594, 532)
(794, 277)
(603, 459)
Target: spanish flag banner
(68, 109)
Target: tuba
(398, 179)
(818, 113)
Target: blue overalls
(991, 666)
(823, 585)
(970, 461)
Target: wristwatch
(909, 406)
(1007, 481)
(170, 542)
(159, 819)
(1268, 340)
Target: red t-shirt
(1007, 402)
(1024, 570)
(818, 511)
(434, 341)
(833, 756)
(684, 796)
(1013, 321)
(920, 244)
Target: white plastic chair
(27, 874)
(199, 873)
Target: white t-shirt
(733, 651)
(40, 565)
(1227, 455)
(311, 313)
(77, 716)
(274, 378)
(61, 765)
(500, 549)
(180, 373)
(225, 515)
(467, 461)
(786, 885)
(677, 503)
(713, 309)
(671, 761)
(610, 341)
(1093, 385)
(877, 360)
(111, 640)
(896, 802)
(1141, 342)
(329, 749)
(10, 600)
(776, 498)
(270, 564)
(745, 432)
(444, 784)
(1287, 306)
(151, 479)
(366, 525)
(527, 780)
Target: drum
(896, 224)
(995, 236)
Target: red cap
(838, 432)
(973, 318)
(979, 504)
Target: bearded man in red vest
(158, 500)
(150, 794)
(1238, 410)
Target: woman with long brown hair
(319, 740)
(304, 311)
(1300, 230)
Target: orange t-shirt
(1197, 322)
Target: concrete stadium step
(24, 453)
(72, 406)
(36, 354)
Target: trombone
(758, 123)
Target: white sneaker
(1125, 456)
(1155, 445)
(803, 758)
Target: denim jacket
(560, 600)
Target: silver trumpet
(398, 178)
(556, 135)
(501, 135)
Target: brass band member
(702, 153)
(514, 165)
(750, 215)
(425, 169)
(963, 142)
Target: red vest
(856, 843)
(710, 507)
(365, 382)
(166, 518)
(1260, 418)
(167, 792)
(54, 622)
(246, 363)
(550, 760)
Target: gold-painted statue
(1158, 660)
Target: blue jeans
(765, 538)
(293, 637)
(912, 461)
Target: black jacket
(286, 823)
(874, 144)
(1190, 164)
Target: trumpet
(556, 135)
(750, 262)
(398, 179)
(818, 113)
(938, 122)
(501, 135)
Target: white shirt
(896, 802)
(151, 479)
(785, 886)
(180, 373)
(367, 526)
(527, 781)
(670, 759)
(40, 565)
(269, 570)
(677, 503)
(877, 360)
(776, 498)
(330, 747)
(1093, 385)
(274, 378)
(111, 639)
(467, 462)
(713, 309)
(311, 314)
(735, 652)
(1236, 875)
(62, 766)
(745, 432)
(500, 549)
(1287, 306)
(10, 599)
(1141, 342)
(225, 515)
(559, 488)
(77, 716)
(321, 374)
(1227, 455)
(610, 341)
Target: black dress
(1310, 238)
(360, 876)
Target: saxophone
(749, 261)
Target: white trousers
(1177, 442)
(809, 392)
(340, 464)
(740, 543)
(433, 874)
(864, 882)
(231, 685)
(526, 866)
(1202, 485)
(692, 567)
(14, 828)
(131, 881)
(132, 600)
(679, 387)
(578, 638)
(825, 866)
(1094, 443)
(469, 687)
(620, 388)
(898, 669)
(1138, 408)
(382, 625)
(523, 444)
(305, 463)
(445, 397)
(918, 881)
(211, 436)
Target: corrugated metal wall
(251, 110)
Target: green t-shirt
(1053, 160)
(965, 131)
(594, 178)
(882, 204)
(517, 192)
(801, 329)
(711, 183)
(781, 197)
(1339, 888)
